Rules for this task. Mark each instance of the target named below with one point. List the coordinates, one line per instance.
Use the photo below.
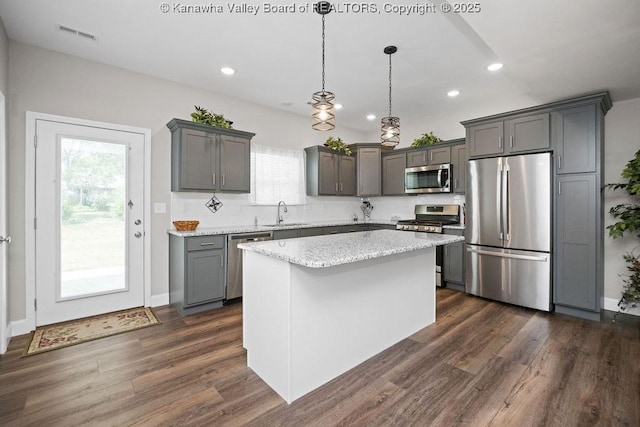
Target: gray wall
(622, 140)
(49, 82)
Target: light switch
(159, 208)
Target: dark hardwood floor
(481, 363)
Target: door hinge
(35, 304)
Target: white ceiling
(551, 50)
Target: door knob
(138, 234)
(137, 222)
(5, 239)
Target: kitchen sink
(285, 224)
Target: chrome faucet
(279, 218)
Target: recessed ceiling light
(453, 93)
(371, 117)
(494, 67)
(228, 71)
(338, 106)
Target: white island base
(305, 326)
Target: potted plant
(425, 139)
(628, 215)
(337, 145)
(204, 116)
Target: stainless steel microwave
(428, 179)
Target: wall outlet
(159, 208)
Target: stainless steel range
(431, 218)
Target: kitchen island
(316, 307)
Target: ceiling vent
(78, 33)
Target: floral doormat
(51, 337)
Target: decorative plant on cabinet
(628, 215)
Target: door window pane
(92, 217)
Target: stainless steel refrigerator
(508, 235)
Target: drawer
(205, 242)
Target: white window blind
(277, 174)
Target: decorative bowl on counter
(185, 225)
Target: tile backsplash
(237, 210)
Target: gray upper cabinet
(518, 135)
(459, 160)
(393, 166)
(432, 156)
(575, 136)
(528, 133)
(235, 164)
(205, 158)
(368, 173)
(485, 139)
(329, 173)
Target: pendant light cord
(322, 53)
(389, 85)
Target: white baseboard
(18, 327)
(158, 300)
(611, 304)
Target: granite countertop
(233, 229)
(336, 249)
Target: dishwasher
(234, 261)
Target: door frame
(30, 186)
(5, 331)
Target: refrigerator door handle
(506, 202)
(543, 258)
(499, 200)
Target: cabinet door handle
(424, 157)
(341, 187)
(207, 244)
(559, 188)
(559, 162)
(223, 179)
(499, 142)
(221, 263)
(213, 178)
(511, 141)
(431, 156)
(336, 187)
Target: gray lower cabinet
(576, 244)
(196, 272)
(459, 160)
(286, 234)
(205, 158)
(329, 173)
(311, 231)
(393, 166)
(453, 260)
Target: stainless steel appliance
(430, 219)
(508, 233)
(428, 179)
(234, 260)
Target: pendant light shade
(323, 110)
(390, 126)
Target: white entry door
(89, 204)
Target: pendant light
(323, 112)
(390, 126)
